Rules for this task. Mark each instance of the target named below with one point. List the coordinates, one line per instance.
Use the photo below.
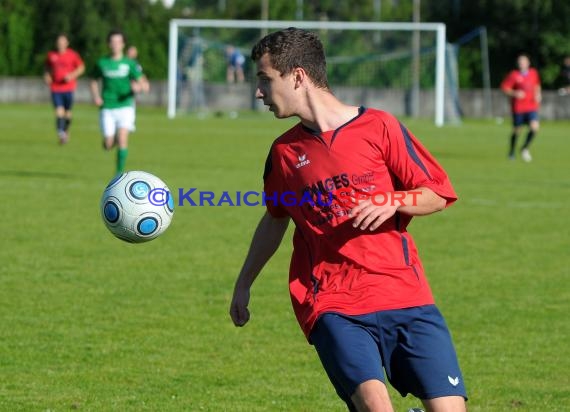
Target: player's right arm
(265, 242)
(95, 94)
(96, 75)
(507, 86)
(47, 73)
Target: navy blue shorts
(64, 99)
(412, 345)
(524, 118)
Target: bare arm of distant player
(265, 242)
(370, 214)
(79, 70)
(140, 85)
(538, 94)
(94, 87)
(516, 93)
(47, 75)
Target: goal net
(398, 67)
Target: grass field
(91, 323)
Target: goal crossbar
(438, 28)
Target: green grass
(91, 323)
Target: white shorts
(112, 119)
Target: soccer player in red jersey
(62, 67)
(354, 178)
(523, 87)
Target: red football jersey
(527, 82)
(59, 65)
(335, 267)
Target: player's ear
(299, 76)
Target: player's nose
(258, 93)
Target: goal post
(265, 25)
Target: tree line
(538, 27)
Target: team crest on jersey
(303, 161)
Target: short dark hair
(292, 48)
(115, 32)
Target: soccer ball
(137, 206)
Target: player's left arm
(425, 185)
(139, 82)
(538, 89)
(371, 213)
(72, 75)
(78, 71)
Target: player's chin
(279, 114)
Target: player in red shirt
(62, 67)
(523, 87)
(351, 179)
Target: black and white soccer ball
(137, 206)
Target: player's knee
(445, 404)
(372, 396)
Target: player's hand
(136, 87)
(519, 94)
(98, 101)
(238, 308)
(368, 215)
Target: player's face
(61, 43)
(276, 90)
(523, 63)
(132, 52)
(116, 44)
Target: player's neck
(325, 112)
(116, 56)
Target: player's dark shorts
(412, 345)
(62, 99)
(520, 119)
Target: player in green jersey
(121, 79)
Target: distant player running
(62, 67)
(523, 87)
(121, 79)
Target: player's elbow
(439, 203)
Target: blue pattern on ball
(111, 212)
(139, 189)
(114, 180)
(170, 203)
(147, 225)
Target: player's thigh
(107, 123)
(421, 358)
(348, 351)
(57, 101)
(518, 121)
(126, 118)
(68, 101)
(533, 121)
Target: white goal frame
(438, 28)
